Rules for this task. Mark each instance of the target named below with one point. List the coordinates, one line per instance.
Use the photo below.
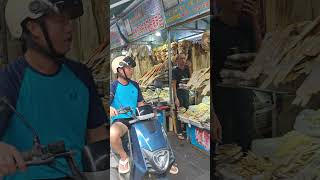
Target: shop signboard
(186, 9)
(144, 19)
(115, 38)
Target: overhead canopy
(143, 20)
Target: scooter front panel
(150, 135)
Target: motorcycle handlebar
(124, 110)
(45, 154)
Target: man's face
(60, 32)
(181, 60)
(230, 5)
(59, 29)
(128, 70)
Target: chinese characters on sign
(186, 10)
(146, 18)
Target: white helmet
(18, 11)
(122, 61)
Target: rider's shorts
(124, 121)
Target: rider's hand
(10, 159)
(113, 112)
(177, 102)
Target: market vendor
(235, 26)
(181, 96)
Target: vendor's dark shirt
(226, 37)
(178, 74)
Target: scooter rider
(57, 96)
(124, 93)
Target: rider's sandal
(174, 169)
(124, 164)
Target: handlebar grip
(124, 110)
(27, 156)
(56, 148)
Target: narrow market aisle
(192, 164)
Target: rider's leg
(117, 130)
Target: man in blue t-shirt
(55, 95)
(123, 93)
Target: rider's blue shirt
(124, 96)
(61, 106)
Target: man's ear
(34, 28)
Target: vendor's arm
(174, 87)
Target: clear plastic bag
(308, 123)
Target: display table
(197, 133)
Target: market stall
(154, 38)
(193, 22)
(285, 67)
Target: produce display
(150, 95)
(198, 113)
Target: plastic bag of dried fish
(308, 122)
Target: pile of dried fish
(199, 80)
(150, 95)
(198, 113)
(153, 74)
(251, 165)
(233, 72)
(228, 153)
(289, 56)
(99, 63)
(294, 156)
(144, 62)
(161, 53)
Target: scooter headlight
(160, 159)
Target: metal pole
(170, 68)
(3, 34)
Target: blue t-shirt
(61, 106)
(124, 96)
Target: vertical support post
(3, 34)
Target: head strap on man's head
(18, 12)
